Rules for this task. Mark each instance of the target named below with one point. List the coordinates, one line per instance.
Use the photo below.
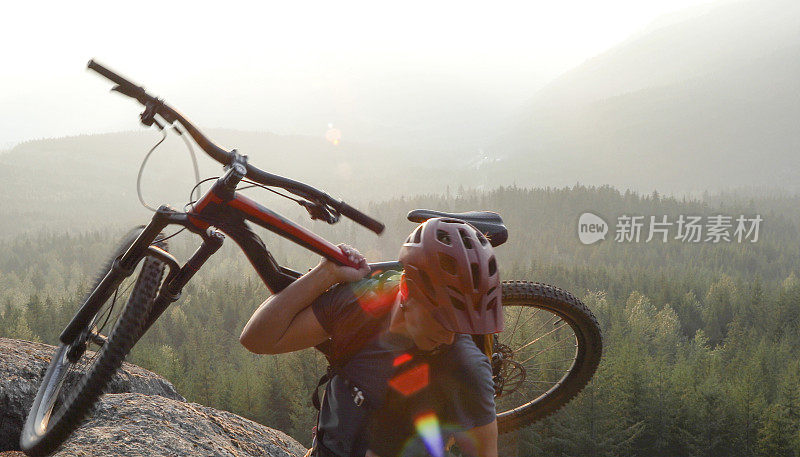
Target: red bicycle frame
(219, 210)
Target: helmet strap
(403, 288)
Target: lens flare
(427, 425)
(333, 135)
(375, 304)
(401, 359)
(376, 297)
(412, 380)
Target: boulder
(137, 425)
(22, 366)
(140, 415)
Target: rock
(22, 366)
(142, 415)
(121, 426)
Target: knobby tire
(588, 341)
(43, 437)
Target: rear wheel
(548, 351)
(79, 372)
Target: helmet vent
(443, 237)
(492, 266)
(490, 291)
(428, 286)
(492, 303)
(417, 234)
(481, 238)
(454, 290)
(448, 264)
(465, 238)
(458, 304)
(475, 275)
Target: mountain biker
(411, 377)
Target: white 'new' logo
(591, 228)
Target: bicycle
(557, 330)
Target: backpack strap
(316, 434)
(315, 399)
(358, 395)
(382, 282)
(379, 280)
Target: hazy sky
(272, 65)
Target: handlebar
(359, 217)
(224, 157)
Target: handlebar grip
(130, 89)
(124, 86)
(360, 218)
(92, 65)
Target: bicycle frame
(220, 209)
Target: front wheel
(80, 371)
(547, 353)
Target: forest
(701, 340)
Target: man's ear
(403, 287)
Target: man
(411, 377)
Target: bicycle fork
(125, 265)
(178, 277)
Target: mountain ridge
(720, 107)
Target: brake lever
(136, 92)
(151, 104)
(148, 116)
(319, 211)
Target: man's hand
(343, 273)
(285, 322)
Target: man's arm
(479, 441)
(477, 397)
(285, 321)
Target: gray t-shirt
(401, 384)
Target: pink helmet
(451, 268)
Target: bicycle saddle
(488, 222)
